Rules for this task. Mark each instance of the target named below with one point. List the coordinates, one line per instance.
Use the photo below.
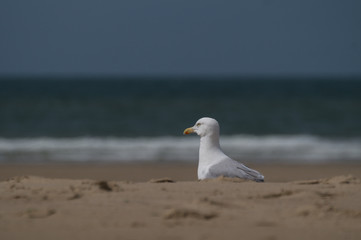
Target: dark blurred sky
(173, 37)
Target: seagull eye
(198, 124)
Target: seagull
(212, 161)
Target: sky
(174, 37)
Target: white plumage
(212, 161)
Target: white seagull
(212, 161)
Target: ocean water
(142, 119)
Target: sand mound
(40, 208)
(343, 179)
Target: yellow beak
(188, 131)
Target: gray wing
(230, 168)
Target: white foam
(298, 148)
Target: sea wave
(272, 148)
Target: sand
(166, 202)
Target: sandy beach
(165, 201)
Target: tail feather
(253, 174)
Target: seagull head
(204, 127)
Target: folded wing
(230, 168)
